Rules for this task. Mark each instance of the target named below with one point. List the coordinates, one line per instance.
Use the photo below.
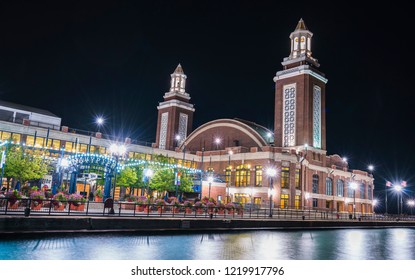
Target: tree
(163, 180)
(24, 166)
(127, 178)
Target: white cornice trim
(300, 70)
(176, 103)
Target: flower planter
(98, 199)
(210, 210)
(80, 207)
(36, 207)
(189, 210)
(59, 207)
(176, 210)
(139, 208)
(128, 206)
(160, 210)
(13, 206)
(230, 211)
(199, 210)
(221, 211)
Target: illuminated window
(329, 186)
(83, 148)
(30, 140)
(258, 175)
(340, 187)
(16, 137)
(297, 202)
(92, 149)
(68, 146)
(242, 176)
(284, 200)
(315, 184)
(297, 178)
(102, 150)
(55, 144)
(6, 136)
(285, 177)
(350, 191)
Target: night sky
(114, 58)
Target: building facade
(237, 153)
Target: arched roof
(232, 132)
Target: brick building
(238, 153)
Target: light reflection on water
(342, 244)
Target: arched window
(315, 184)
(329, 186)
(302, 45)
(340, 187)
(296, 44)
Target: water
(340, 244)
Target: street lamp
(353, 185)
(398, 189)
(100, 122)
(271, 172)
(210, 180)
(411, 204)
(217, 142)
(148, 173)
(117, 151)
(177, 140)
(374, 203)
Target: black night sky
(80, 59)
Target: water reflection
(351, 244)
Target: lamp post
(177, 140)
(353, 185)
(271, 172)
(411, 204)
(229, 176)
(398, 189)
(148, 173)
(117, 151)
(64, 164)
(210, 180)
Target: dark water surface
(339, 244)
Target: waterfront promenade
(127, 217)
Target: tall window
(340, 187)
(315, 184)
(297, 178)
(242, 176)
(349, 191)
(362, 190)
(329, 186)
(315, 202)
(297, 202)
(258, 175)
(285, 177)
(284, 200)
(30, 140)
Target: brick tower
(300, 116)
(175, 113)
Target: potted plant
(77, 202)
(210, 206)
(129, 203)
(37, 198)
(221, 207)
(141, 203)
(160, 203)
(230, 207)
(59, 201)
(98, 195)
(199, 207)
(188, 206)
(13, 198)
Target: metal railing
(48, 207)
